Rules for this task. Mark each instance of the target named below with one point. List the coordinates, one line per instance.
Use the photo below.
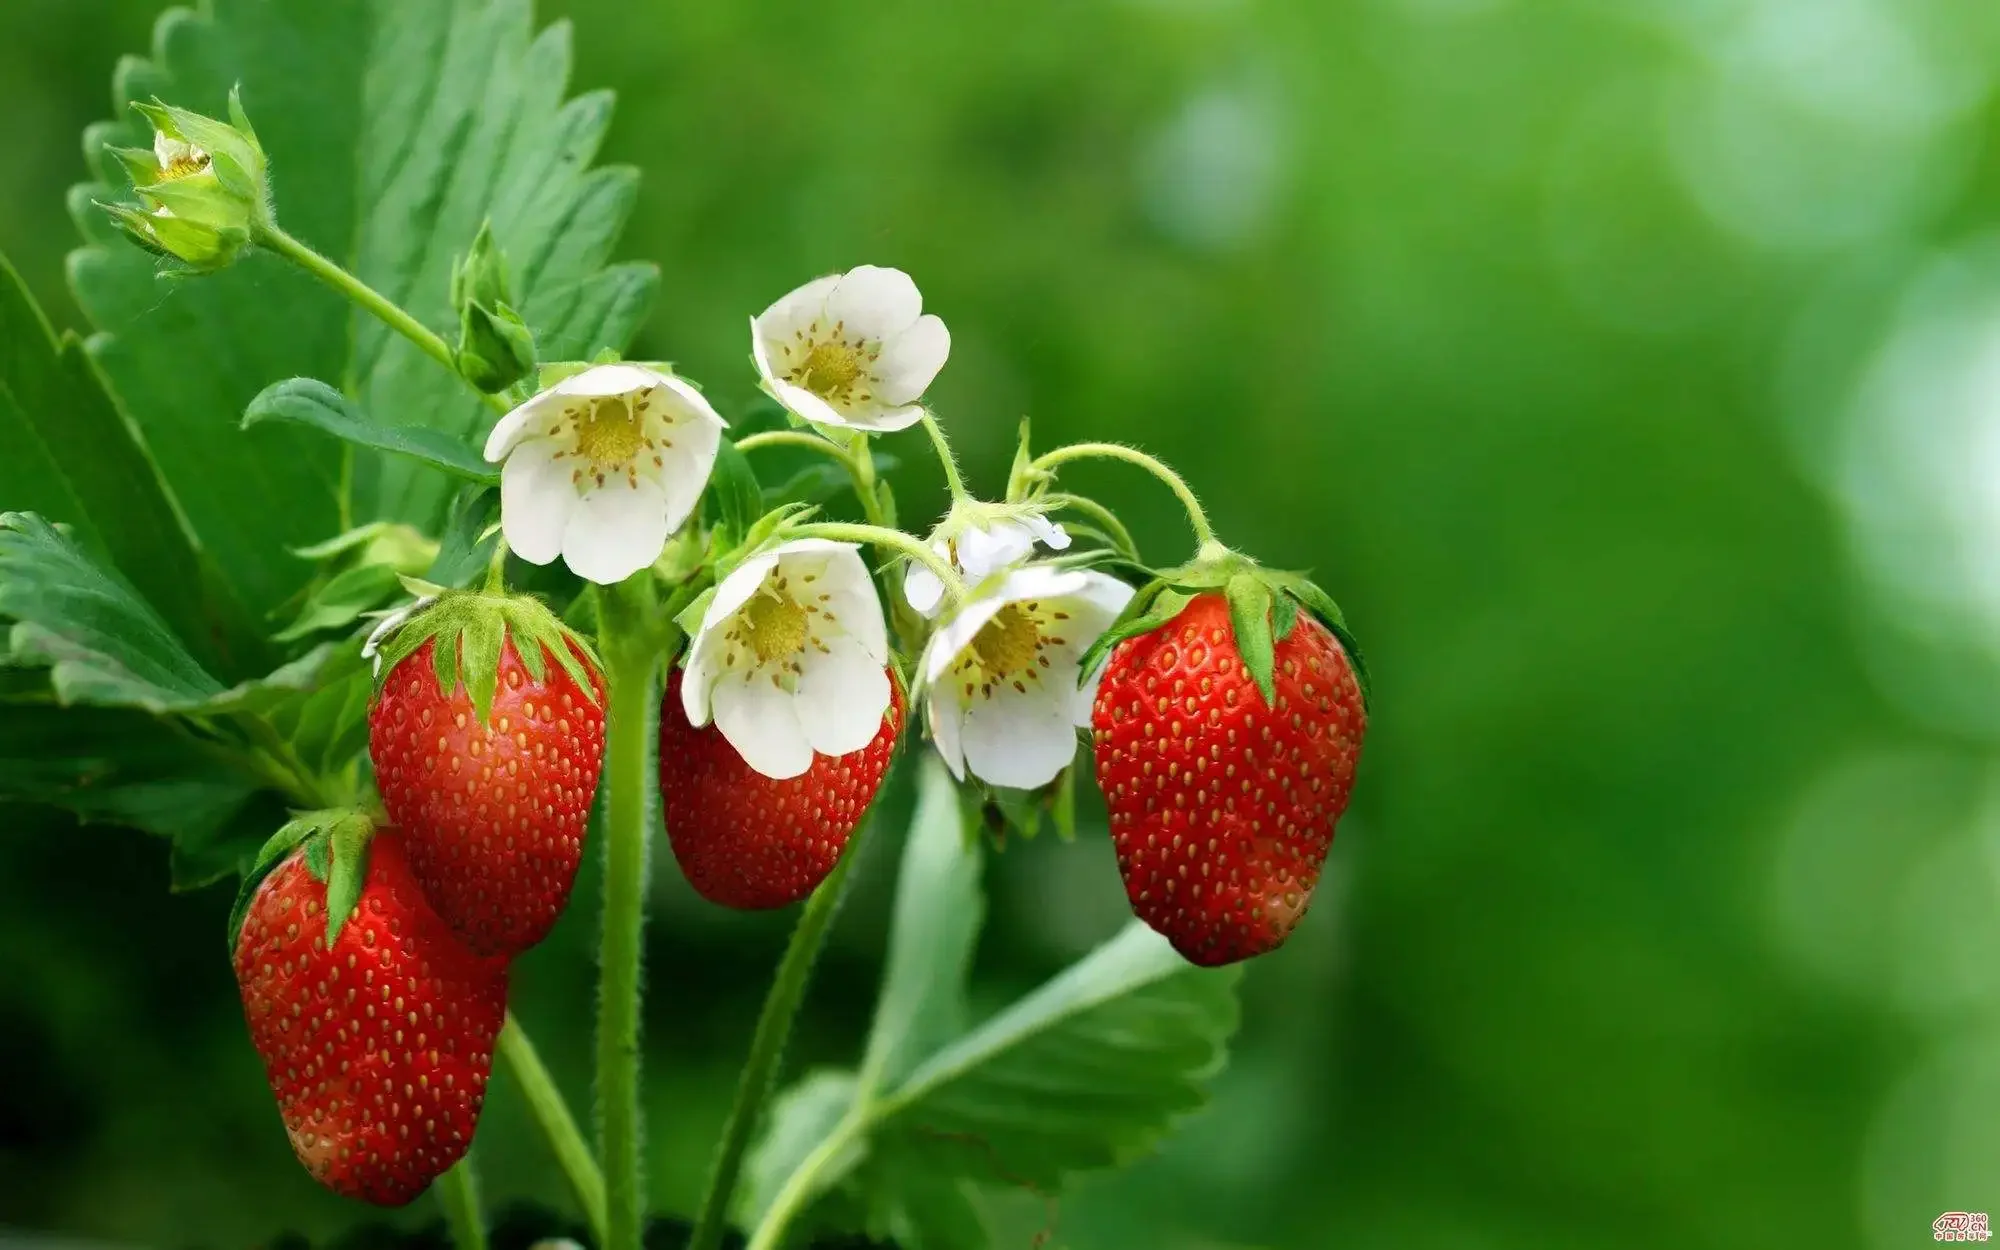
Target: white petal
(957, 634)
(911, 360)
(1050, 534)
(946, 717)
(536, 499)
(855, 603)
(797, 309)
(874, 303)
(735, 590)
(600, 381)
(983, 552)
(923, 590)
(879, 420)
(696, 434)
(703, 671)
(761, 723)
(841, 697)
(1020, 739)
(522, 423)
(1040, 581)
(615, 531)
(811, 407)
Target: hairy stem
(458, 1193)
(274, 239)
(545, 1102)
(1204, 533)
(631, 661)
(797, 438)
(774, 1026)
(895, 540)
(950, 462)
(1106, 519)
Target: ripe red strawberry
(494, 799)
(745, 840)
(377, 1049)
(1222, 806)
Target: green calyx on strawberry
(1264, 607)
(375, 1023)
(487, 736)
(469, 628)
(1226, 729)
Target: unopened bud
(495, 347)
(201, 186)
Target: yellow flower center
(180, 160)
(609, 431)
(1008, 643)
(830, 369)
(776, 625)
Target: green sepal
(1152, 607)
(1284, 616)
(335, 841)
(1321, 605)
(1249, 599)
(689, 618)
(469, 629)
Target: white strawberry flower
(852, 351)
(790, 657)
(980, 549)
(1002, 696)
(602, 467)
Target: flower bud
(495, 347)
(201, 186)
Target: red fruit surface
(493, 814)
(745, 840)
(1222, 807)
(377, 1050)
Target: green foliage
(67, 453)
(1087, 1072)
(314, 404)
(400, 125)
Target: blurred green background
(1629, 369)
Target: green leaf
(314, 404)
(117, 766)
(734, 499)
(1090, 1071)
(1250, 620)
(819, 481)
(68, 453)
(938, 913)
(394, 127)
(102, 643)
(466, 546)
(1087, 1072)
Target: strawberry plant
(350, 556)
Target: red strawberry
(493, 801)
(377, 1049)
(1222, 806)
(745, 840)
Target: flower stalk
(631, 663)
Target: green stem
(274, 239)
(774, 1026)
(1204, 533)
(1105, 518)
(630, 663)
(458, 1194)
(797, 438)
(802, 1186)
(945, 458)
(545, 1101)
(895, 540)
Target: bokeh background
(1630, 370)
